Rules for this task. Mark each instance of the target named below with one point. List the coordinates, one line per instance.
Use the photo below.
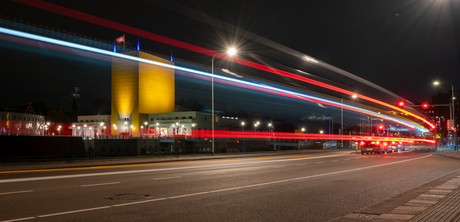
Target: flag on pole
(120, 39)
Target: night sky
(401, 45)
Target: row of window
(93, 120)
(170, 118)
(20, 118)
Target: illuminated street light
(231, 52)
(452, 114)
(321, 131)
(341, 123)
(303, 130)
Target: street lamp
(193, 126)
(231, 51)
(452, 114)
(341, 126)
(156, 132)
(242, 124)
(148, 127)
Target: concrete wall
(41, 147)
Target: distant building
(139, 89)
(21, 123)
(92, 126)
(176, 123)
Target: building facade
(139, 89)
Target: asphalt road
(316, 187)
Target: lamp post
(231, 52)
(157, 128)
(242, 124)
(341, 125)
(193, 126)
(148, 127)
(452, 115)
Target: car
(377, 147)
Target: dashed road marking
(99, 184)
(14, 192)
(166, 178)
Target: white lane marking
(218, 172)
(146, 171)
(319, 162)
(139, 202)
(303, 164)
(24, 191)
(252, 169)
(74, 211)
(19, 219)
(334, 161)
(99, 184)
(233, 188)
(166, 178)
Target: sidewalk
(437, 200)
(49, 164)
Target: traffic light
(381, 128)
(425, 105)
(401, 103)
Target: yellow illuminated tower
(139, 89)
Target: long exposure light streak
(117, 26)
(66, 129)
(244, 83)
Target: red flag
(121, 39)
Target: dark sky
(401, 45)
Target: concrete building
(22, 123)
(139, 89)
(177, 123)
(92, 126)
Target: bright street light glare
(354, 96)
(436, 83)
(231, 51)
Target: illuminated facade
(139, 89)
(21, 123)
